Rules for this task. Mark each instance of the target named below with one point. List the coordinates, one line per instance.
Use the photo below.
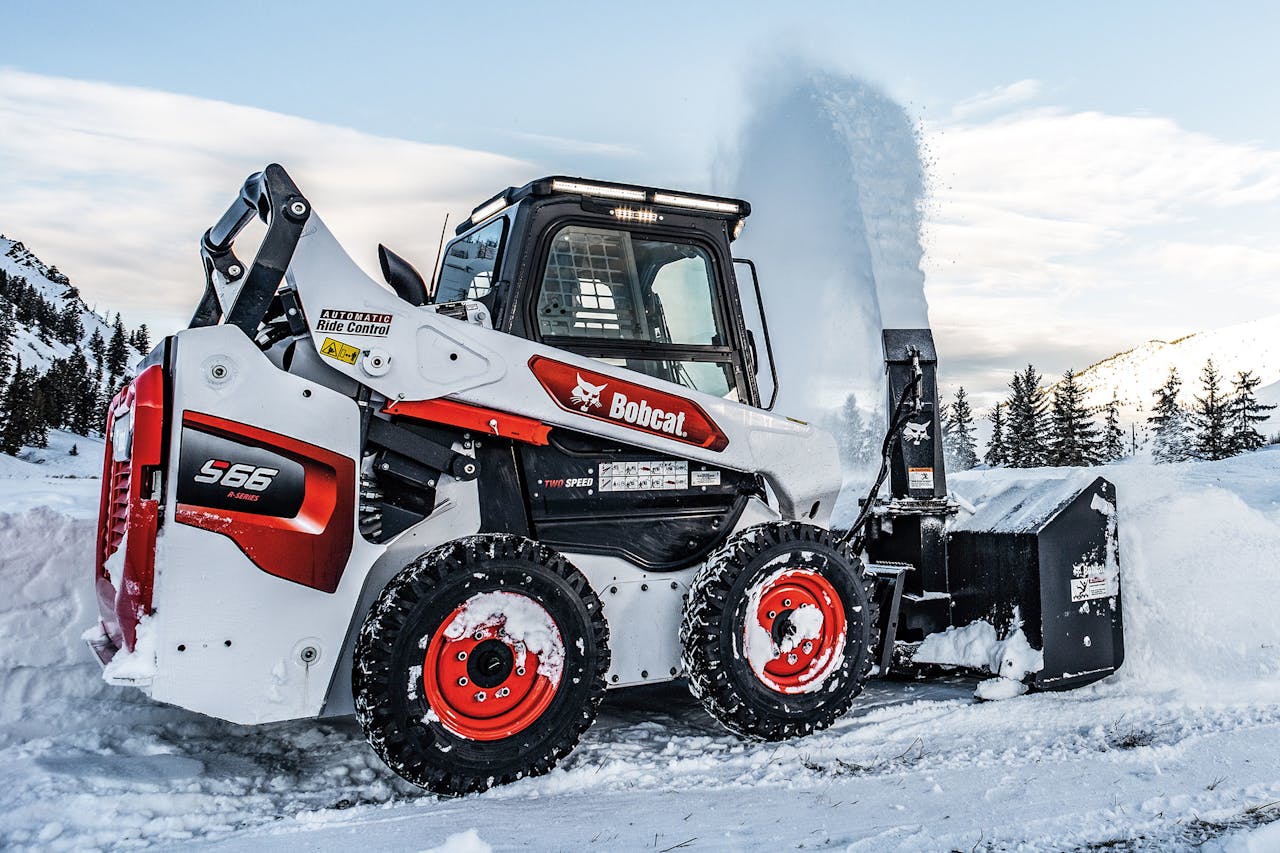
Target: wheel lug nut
(480, 696)
(505, 691)
(808, 648)
(773, 614)
(462, 655)
(791, 658)
(462, 682)
(478, 636)
(786, 602)
(519, 670)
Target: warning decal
(1092, 580)
(354, 323)
(643, 476)
(919, 478)
(339, 351)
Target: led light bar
(695, 203)
(597, 190)
(630, 214)
(484, 211)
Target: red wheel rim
(485, 682)
(795, 632)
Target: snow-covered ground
(1181, 747)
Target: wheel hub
(798, 635)
(483, 681)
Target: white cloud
(1062, 237)
(115, 185)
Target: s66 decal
(628, 404)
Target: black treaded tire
(713, 629)
(390, 699)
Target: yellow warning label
(339, 351)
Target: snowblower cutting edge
(464, 511)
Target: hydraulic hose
(857, 534)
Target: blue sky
(1099, 173)
(658, 76)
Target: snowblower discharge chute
(463, 509)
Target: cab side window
(467, 269)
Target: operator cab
(637, 277)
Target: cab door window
(646, 303)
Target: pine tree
(1113, 442)
(1073, 434)
(23, 412)
(117, 353)
(7, 329)
(1025, 436)
(85, 407)
(141, 340)
(963, 449)
(98, 347)
(997, 454)
(70, 329)
(1211, 417)
(1245, 413)
(1170, 440)
(853, 438)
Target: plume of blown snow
(831, 166)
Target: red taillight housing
(129, 512)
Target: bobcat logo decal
(916, 433)
(585, 395)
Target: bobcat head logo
(916, 433)
(585, 395)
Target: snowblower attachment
(1037, 553)
(1044, 552)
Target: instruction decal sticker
(354, 323)
(643, 476)
(338, 351)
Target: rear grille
(117, 519)
(127, 518)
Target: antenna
(435, 269)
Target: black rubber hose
(857, 534)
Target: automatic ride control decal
(627, 404)
(354, 323)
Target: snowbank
(1173, 750)
(1199, 545)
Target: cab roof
(644, 199)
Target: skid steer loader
(462, 511)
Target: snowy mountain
(35, 346)
(1132, 376)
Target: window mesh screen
(589, 289)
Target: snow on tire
(779, 630)
(482, 662)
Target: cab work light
(630, 214)
(696, 203)
(597, 190)
(488, 209)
